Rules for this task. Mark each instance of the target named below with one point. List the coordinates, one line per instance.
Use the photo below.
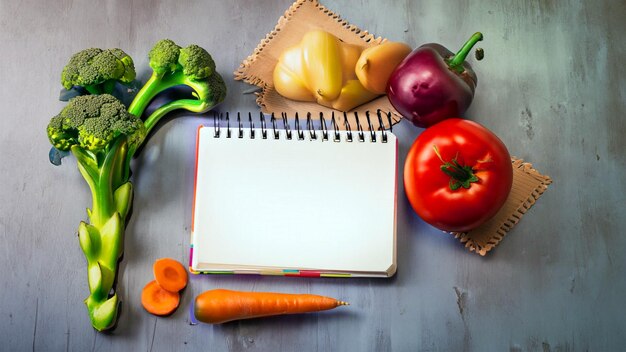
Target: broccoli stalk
(102, 240)
(103, 136)
(99, 132)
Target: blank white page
(294, 204)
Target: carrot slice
(157, 300)
(170, 274)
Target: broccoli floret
(93, 122)
(174, 66)
(97, 70)
(164, 56)
(217, 89)
(197, 63)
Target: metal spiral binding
(309, 125)
(335, 129)
(251, 125)
(380, 123)
(263, 130)
(227, 126)
(216, 126)
(298, 130)
(371, 128)
(359, 128)
(324, 129)
(240, 125)
(345, 121)
(276, 133)
(217, 117)
(286, 125)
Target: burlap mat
(301, 17)
(528, 186)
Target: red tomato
(457, 175)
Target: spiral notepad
(312, 201)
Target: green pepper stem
(458, 59)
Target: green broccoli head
(129, 66)
(216, 92)
(97, 70)
(196, 62)
(93, 122)
(164, 56)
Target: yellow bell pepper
(350, 56)
(289, 76)
(321, 61)
(352, 95)
(378, 62)
(321, 68)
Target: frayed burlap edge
(506, 222)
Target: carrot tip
(343, 303)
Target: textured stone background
(552, 86)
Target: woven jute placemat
(301, 17)
(528, 186)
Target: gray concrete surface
(552, 86)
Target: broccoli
(103, 136)
(174, 66)
(100, 132)
(98, 70)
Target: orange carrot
(170, 274)
(220, 306)
(157, 300)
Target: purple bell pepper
(433, 84)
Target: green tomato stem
(460, 175)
